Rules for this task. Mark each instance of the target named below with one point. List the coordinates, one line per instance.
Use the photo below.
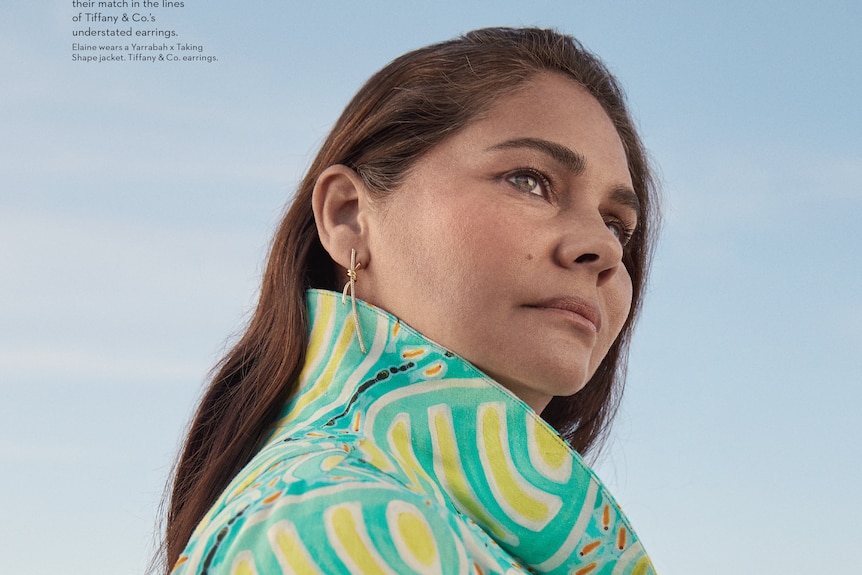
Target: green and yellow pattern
(407, 459)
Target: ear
(340, 204)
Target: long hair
(404, 110)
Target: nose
(588, 245)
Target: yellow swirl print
(547, 453)
(291, 554)
(243, 564)
(401, 445)
(524, 503)
(323, 382)
(348, 535)
(447, 466)
(413, 538)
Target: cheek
(620, 300)
(422, 252)
(456, 235)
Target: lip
(579, 309)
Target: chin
(562, 381)
(542, 390)
(569, 390)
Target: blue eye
(620, 230)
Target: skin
(504, 242)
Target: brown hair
(404, 110)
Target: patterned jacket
(407, 459)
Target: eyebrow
(573, 162)
(625, 196)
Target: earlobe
(339, 200)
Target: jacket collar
(429, 418)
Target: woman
(489, 205)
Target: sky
(138, 199)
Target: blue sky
(138, 200)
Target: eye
(530, 182)
(621, 230)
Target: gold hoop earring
(350, 285)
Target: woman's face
(504, 242)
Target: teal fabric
(407, 459)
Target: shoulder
(319, 508)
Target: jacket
(407, 459)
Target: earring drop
(350, 285)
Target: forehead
(552, 107)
